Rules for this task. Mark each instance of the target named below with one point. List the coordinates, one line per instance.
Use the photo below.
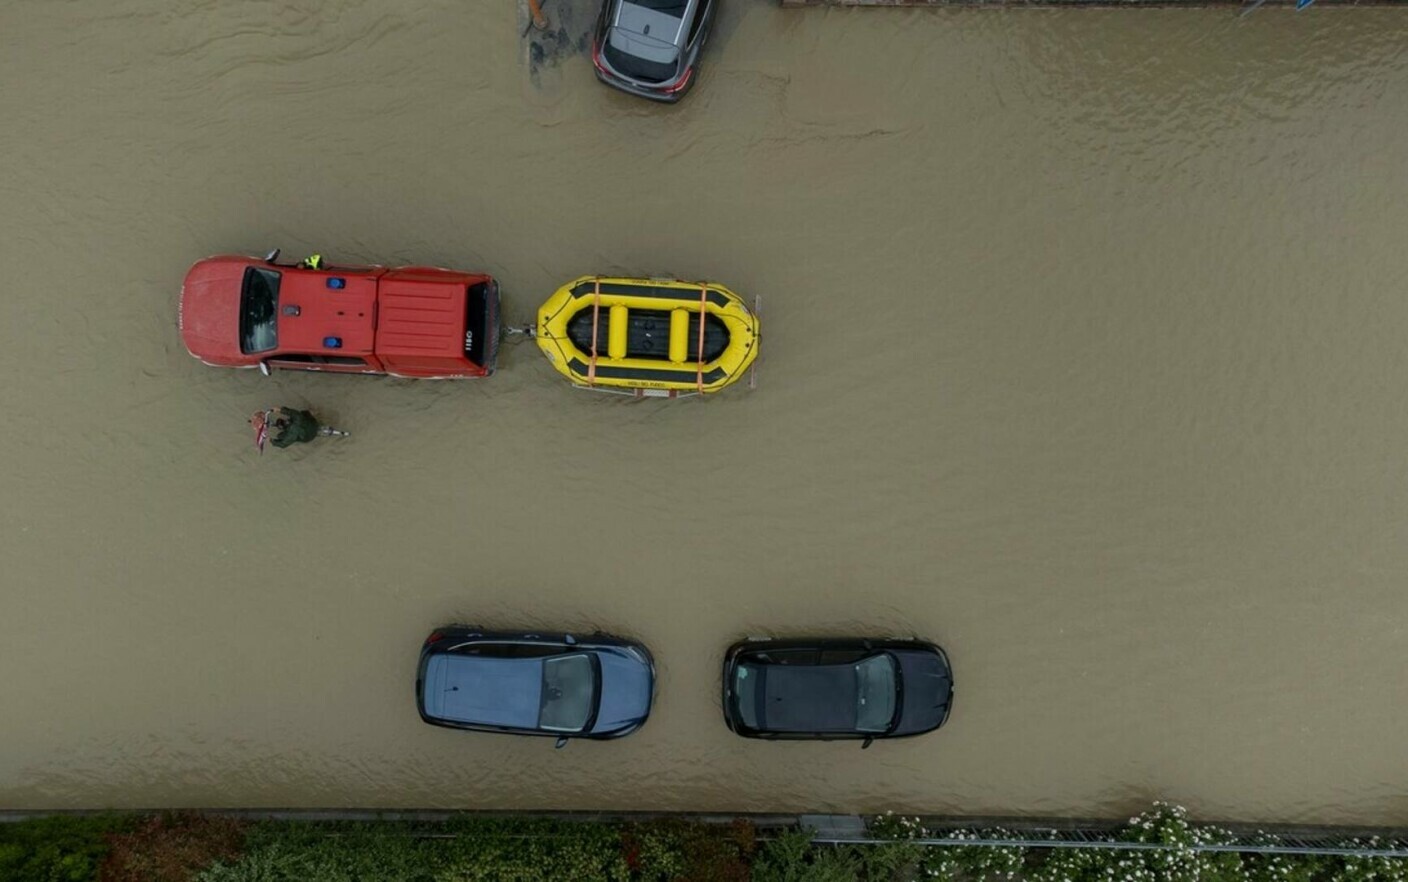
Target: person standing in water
(286, 426)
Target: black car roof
(807, 698)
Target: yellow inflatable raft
(646, 335)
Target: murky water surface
(1084, 357)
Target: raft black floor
(648, 334)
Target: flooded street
(1084, 357)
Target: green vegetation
(206, 848)
(57, 849)
(468, 850)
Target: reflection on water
(1084, 359)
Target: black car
(651, 48)
(534, 683)
(836, 688)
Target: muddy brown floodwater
(1084, 357)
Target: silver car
(651, 48)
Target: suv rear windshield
(638, 68)
(259, 310)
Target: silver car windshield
(646, 33)
(875, 693)
(569, 693)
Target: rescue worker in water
(286, 426)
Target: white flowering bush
(979, 862)
(1373, 868)
(898, 858)
(989, 863)
(1287, 868)
(1182, 856)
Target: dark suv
(534, 683)
(836, 688)
(651, 48)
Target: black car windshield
(569, 693)
(259, 311)
(875, 693)
(747, 679)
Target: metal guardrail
(1302, 847)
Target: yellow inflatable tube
(646, 335)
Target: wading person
(285, 426)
